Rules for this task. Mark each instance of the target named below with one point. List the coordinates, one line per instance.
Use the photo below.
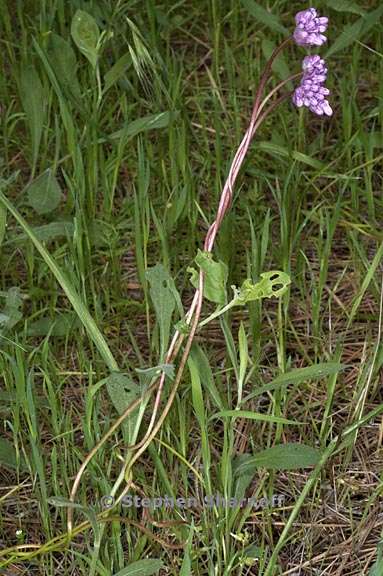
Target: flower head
(309, 28)
(311, 92)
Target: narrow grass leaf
(44, 193)
(288, 456)
(355, 31)
(264, 16)
(85, 34)
(142, 568)
(74, 298)
(253, 416)
(149, 122)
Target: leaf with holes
(273, 284)
(44, 193)
(162, 295)
(85, 34)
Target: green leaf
(345, 6)
(85, 34)
(122, 390)
(281, 457)
(117, 70)
(298, 375)
(355, 31)
(273, 284)
(8, 457)
(48, 232)
(11, 313)
(44, 193)
(216, 274)
(63, 60)
(253, 416)
(74, 298)
(377, 568)
(3, 223)
(33, 101)
(150, 122)
(142, 568)
(162, 295)
(61, 326)
(263, 16)
(147, 374)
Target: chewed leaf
(216, 274)
(273, 284)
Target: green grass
(113, 159)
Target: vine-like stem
(193, 314)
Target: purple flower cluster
(310, 28)
(312, 92)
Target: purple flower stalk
(309, 28)
(311, 92)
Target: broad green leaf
(147, 374)
(355, 31)
(11, 314)
(216, 274)
(60, 326)
(74, 298)
(33, 100)
(346, 6)
(48, 232)
(8, 457)
(272, 284)
(289, 456)
(122, 390)
(64, 63)
(377, 568)
(44, 193)
(85, 34)
(253, 416)
(62, 502)
(142, 568)
(150, 122)
(117, 70)
(264, 16)
(161, 293)
(298, 375)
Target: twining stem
(193, 314)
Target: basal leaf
(44, 193)
(85, 34)
(281, 457)
(64, 63)
(147, 567)
(8, 457)
(34, 103)
(162, 295)
(117, 70)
